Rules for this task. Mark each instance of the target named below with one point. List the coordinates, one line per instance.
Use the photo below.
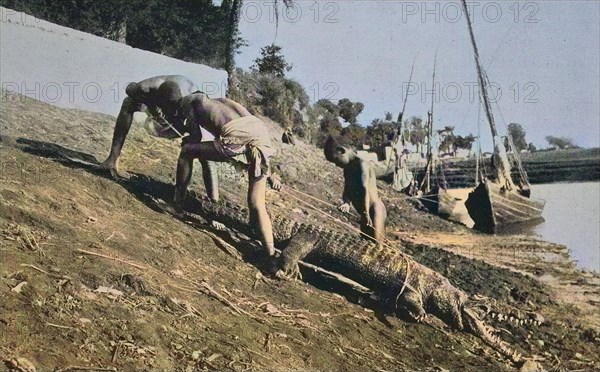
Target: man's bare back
(147, 94)
(354, 189)
(160, 95)
(210, 114)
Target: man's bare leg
(257, 187)
(211, 179)
(185, 166)
(378, 217)
(122, 127)
(190, 151)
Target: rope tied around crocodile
(386, 242)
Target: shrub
(281, 99)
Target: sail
(403, 177)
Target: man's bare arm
(365, 181)
(345, 207)
(192, 122)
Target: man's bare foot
(111, 168)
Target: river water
(571, 218)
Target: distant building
(462, 153)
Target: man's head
(134, 90)
(169, 92)
(339, 150)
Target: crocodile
(399, 281)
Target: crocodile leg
(412, 302)
(298, 247)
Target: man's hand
(368, 220)
(344, 208)
(275, 182)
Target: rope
(516, 157)
(326, 214)
(161, 119)
(315, 199)
(390, 244)
(386, 242)
(417, 198)
(404, 284)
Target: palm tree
(447, 139)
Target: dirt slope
(93, 275)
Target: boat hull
(491, 207)
(439, 201)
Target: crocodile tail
(477, 327)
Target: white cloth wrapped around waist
(246, 140)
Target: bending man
(158, 97)
(239, 137)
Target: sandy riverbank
(154, 293)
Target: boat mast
(501, 163)
(401, 114)
(400, 136)
(426, 186)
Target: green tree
(331, 125)
(328, 106)
(416, 132)
(271, 61)
(378, 132)
(517, 134)
(101, 18)
(356, 134)
(465, 143)
(191, 30)
(349, 110)
(560, 142)
(232, 11)
(447, 139)
(531, 147)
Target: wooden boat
(491, 206)
(499, 202)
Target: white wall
(74, 69)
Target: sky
(543, 58)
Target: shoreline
(546, 229)
(547, 262)
(159, 313)
(542, 167)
